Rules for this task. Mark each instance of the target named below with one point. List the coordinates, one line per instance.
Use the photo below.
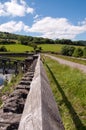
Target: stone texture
(24, 82)
(26, 87)
(10, 114)
(9, 121)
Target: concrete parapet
(40, 111)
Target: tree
(67, 50)
(84, 52)
(71, 50)
(23, 40)
(78, 52)
(39, 49)
(3, 49)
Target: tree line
(9, 38)
(73, 51)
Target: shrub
(84, 52)
(78, 52)
(67, 50)
(3, 49)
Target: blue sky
(46, 18)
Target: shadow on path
(75, 117)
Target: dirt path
(69, 63)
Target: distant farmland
(17, 48)
(24, 48)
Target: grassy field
(18, 48)
(51, 47)
(23, 48)
(69, 88)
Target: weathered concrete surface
(40, 111)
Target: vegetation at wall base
(69, 88)
(9, 87)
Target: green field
(69, 88)
(24, 48)
(18, 48)
(51, 47)
(45, 48)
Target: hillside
(6, 38)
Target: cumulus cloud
(47, 27)
(15, 8)
(57, 28)
(13, 27)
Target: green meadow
(51, 47)
(17, 48)
(69, 89)
(23, 48)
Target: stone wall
(31, 106)
(11, 112)
(40, 111)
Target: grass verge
(69, 88)
(73, 59)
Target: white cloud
(13, 27)
(47, 27)
(57, 28)
(36, 16)
(29, 10)
(82, 22)
(15, 8)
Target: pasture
(17, 48)
(23, 48)
(51, 47)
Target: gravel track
(69, 63)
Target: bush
(67, 50)
(3, 49)
(78, 52)
(84, 52)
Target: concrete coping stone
(40, 111)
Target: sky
(54, 19)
